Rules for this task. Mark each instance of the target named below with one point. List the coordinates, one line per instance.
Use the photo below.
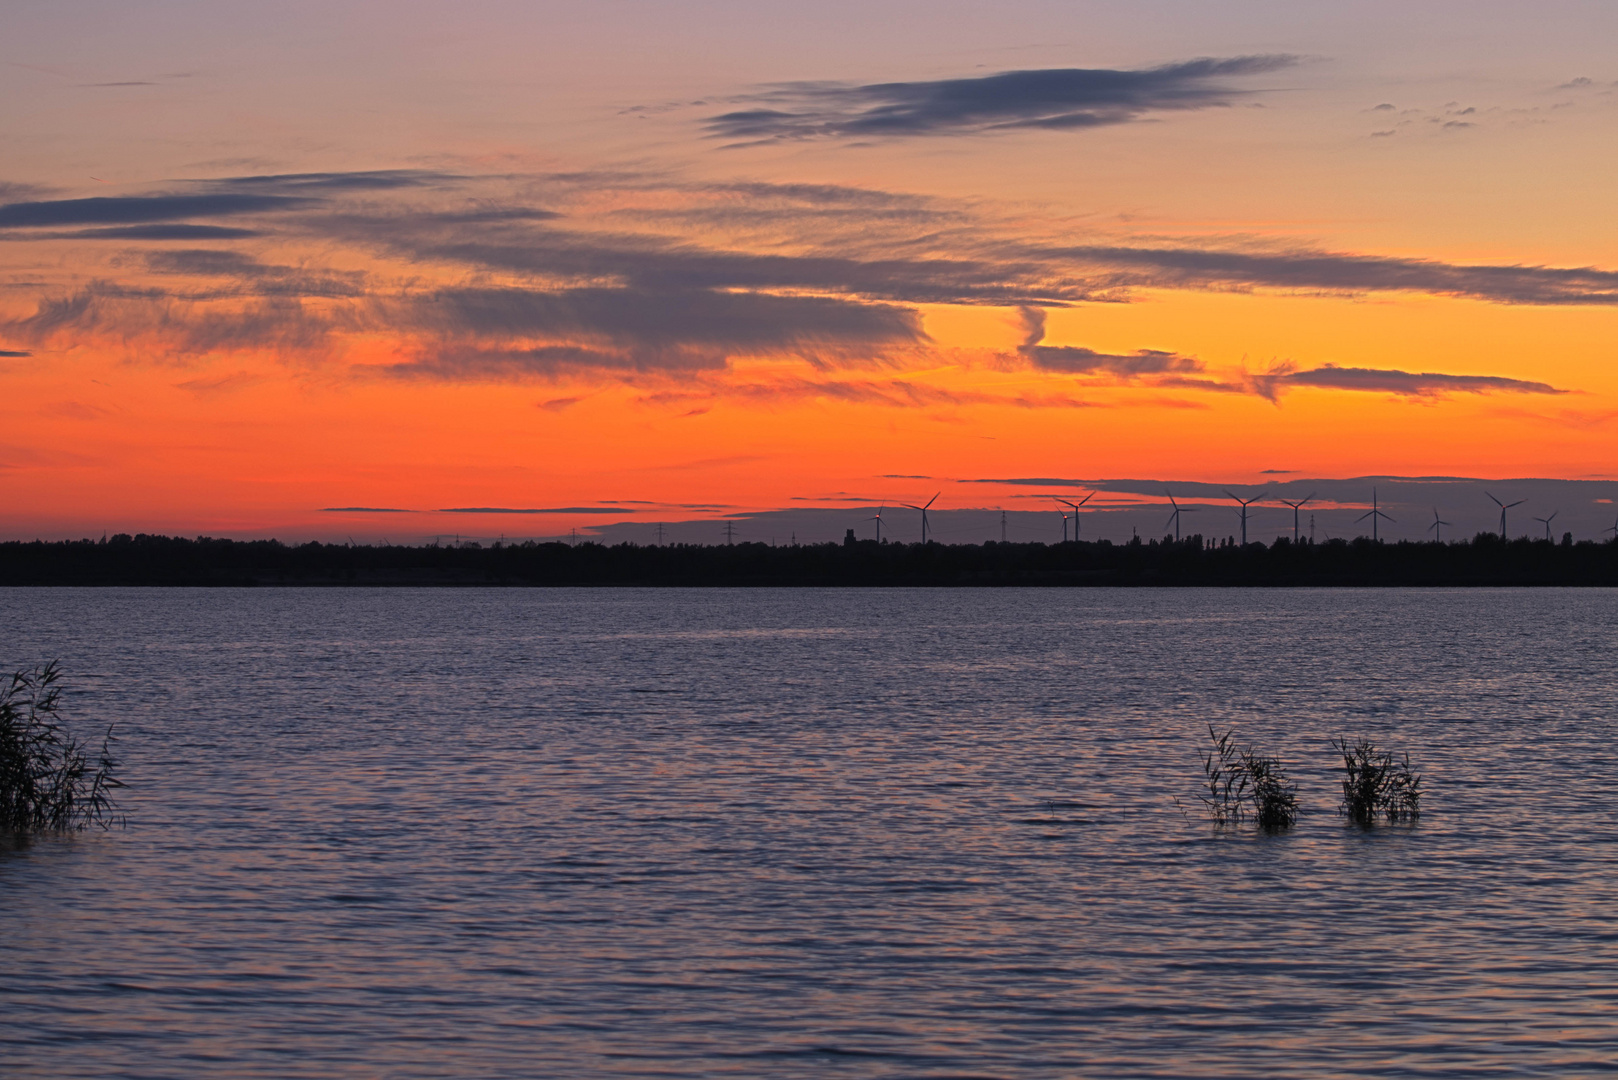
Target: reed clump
(1376, 784)
(49, 780)
(1241, 785)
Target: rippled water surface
(401, 833)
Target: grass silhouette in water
(1376, 784)
(48, 780)
(1242, 785)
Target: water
(596, 833)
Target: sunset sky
(635, 261)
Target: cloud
(363, 510)
(365, 180)
(1071, 359)
(261, 279)
(149, 232)
(1035, 481)
(536, 510)
(635, 330)
(1189, 267)
(14, 354)
(1053, 99)
(1409, 384)
(172, 326)
(101, 210)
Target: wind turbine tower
(1245, 504)
(1437, 527)
(878, 520)
(1002, 526)
(1174, 518)
(1374, 514)
(1075, 506)
(1503, 508)
(1546, 521)
(923, 509)
(1295, 506)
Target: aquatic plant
(48, 779)
(1241, 784)
(1375, 783)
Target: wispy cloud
(1341, 272)
(1074, 360)
(536, 510)
(1405, 383)
(106, 210)
(1053, 99)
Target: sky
(519, 269)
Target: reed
(49, 780)
(1376, 784)
(1241, 785)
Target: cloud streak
(1052, 99)
(107, 210)
(1404, 383)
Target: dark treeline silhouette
(162, 560)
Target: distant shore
(176, 561)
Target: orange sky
(332, 260)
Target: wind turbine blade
(1306, 498)
(1497, 502)
(1363, 516)
(934, 498)
(1519, 502)
(1087, 498)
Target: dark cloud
(656, 263)
(259, 279)
(176, 326)
(363, 510)
(371, 180)
(14, 354)
(1035, 481)
(688, 328)
(1411, 384)
(1053, 99)
(535, 510)
(154, 232)
(1346, 273)
(140, 208)
(462, 363)
(1074, 360)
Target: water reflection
(794, 833)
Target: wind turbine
(1613, 530)
(1245, 504)
(1075, 506)
(1374, 514)
(1503, 508)
(1546, 521)
(923, 509)
(1437, 526)
(1295, 506)
(878, 520)
(1064, 525)
(1174, 518)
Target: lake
(810, 833)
